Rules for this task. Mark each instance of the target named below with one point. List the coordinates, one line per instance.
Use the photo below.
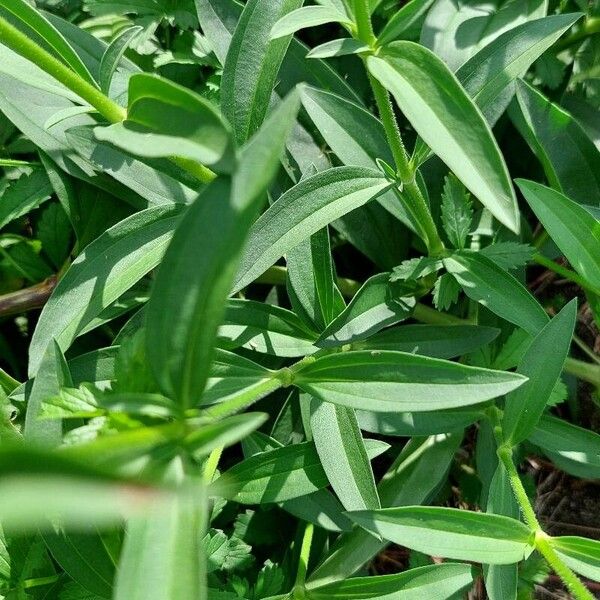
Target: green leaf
(39, 28)
(188, 299)
(446, 292)
(442, 582)
(302, 211)
(52, 375)
(113, 55)
(457, 31)
(278, 475)
(509, 255)
(166, 543)
(385, 381)
(237, 380)
(483, 281)
(571, 227)
(542, 364)
(222, 434)
(341, 450)
(408, 424)
(24, 195)
(457, 212)
(451, 533)
(413, 478)
(307, 16)
(570, 159)
(405, 18)
(581, 554)
(118, 258)
(573, 449)
(265, 328)
(445, 117)
(371, 309)
(488, 76)
(341, 47)
(166, 119)
(314, 296)
(274, 476)
(252, 64)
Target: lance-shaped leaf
(542, 364)
(167, 543)
(235, 377)
(573, 449)
(311, 281)
(442, 582)
(445, 117)
(407, 16)
(252, 64)
(371, 309)
(302, 211)
(341, 450)
(457, 31)
(581, 554)
(574, 230)
(265, 328)
(488, 76)
(485, 282)
(437, 341)
(307, 16)
(106, 269)
(278, 475)
(188, 299)
(408, 424)
(39, 28)
(569, 158)
(384, 381)
(451, 533)
(113, 55)
(166, 119)
(341, 47)
(413, 478)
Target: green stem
(364, 27)
(303, 561)
(569, 578)
(583, 370)
(21, 44)
(9, 162)
(505, 455)
(416, 205)
(566, 273)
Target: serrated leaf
(509, 255)
(457, 212)
(446, 291)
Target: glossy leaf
(445, 117)
(574, 229)
(341, 47)
(483, 281)
(542, 364)
(407, 16)
(306, 16)
(581, 554)
(451, 533)
(385, 381)
(119, 258)
(372, 308)
(435, 581)
(165, 119)
(570, 159)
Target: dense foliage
(268, 296)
